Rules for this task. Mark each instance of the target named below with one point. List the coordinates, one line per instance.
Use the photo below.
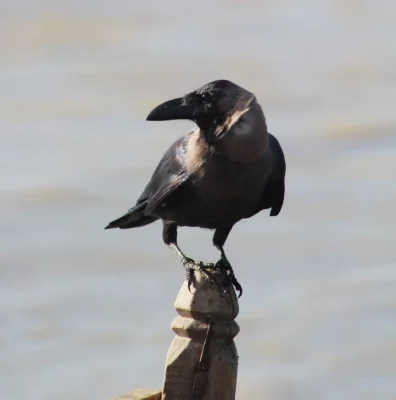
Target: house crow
(228, 168)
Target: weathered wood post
(202, 360)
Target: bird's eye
(206, 96)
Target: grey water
(86, 313)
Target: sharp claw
(237, 285)
(189, 276)
(224, 266)
(238, 288)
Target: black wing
(169, 175)
(274, 190)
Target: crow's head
(215, 107)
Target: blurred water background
(86, 313)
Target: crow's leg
(219, 239)
(170, 238)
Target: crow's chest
(219, 180)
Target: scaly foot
(224, 266)
(190, 266)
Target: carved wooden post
(202, 360)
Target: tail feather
(142, 221)
(119, 222)
(133, 218)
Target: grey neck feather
(245, 137)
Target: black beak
(181, 108)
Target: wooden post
(202, 360)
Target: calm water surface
(86, 313)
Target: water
(86, 312)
